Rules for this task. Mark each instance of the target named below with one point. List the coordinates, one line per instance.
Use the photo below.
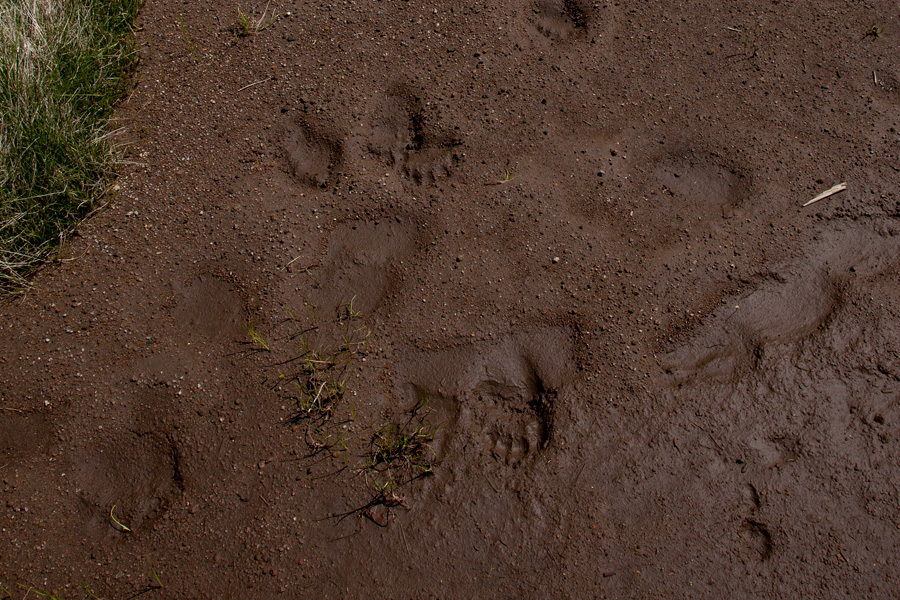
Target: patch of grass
(401, 453)
(246, 26)
(255, 337)
(347, 312)
(187, 38)
(315, 378)
(320, 384)
(64, 64)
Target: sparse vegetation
(347, 312)
(44, 594)
(187, 38)
(246, 26)
(321, 383)
(874, 31)
(63, 67)
(507, 176)
(255, 338)
(316, 377)
(751, 42)
(399, 454)
(29, 591)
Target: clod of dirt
(560, 19)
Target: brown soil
(575, 228)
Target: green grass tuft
(402, 453)
(63, 67)
(245, 26)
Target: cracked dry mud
(566, 236)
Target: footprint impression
(135, 475)
(697, 184)
(782, 309)
(211, 308)
(755, 535)
(560, 20)
(405, 139)
(360, 262)
(312, 153)
(497, 401)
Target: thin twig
(252, 84)
(293, 260)
(490, 483)
(344, 468)
(829, 192)
(316, 399)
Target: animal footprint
(559, 19)
(402, 137)
(312, 156)
(783, 309)
(755, 534)
(514, 422)
(210, 307)
(699, 184)
(137, 473)
(758, 538)
(497, 402)
(360, 262)
(513, 448)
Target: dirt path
(574, 229)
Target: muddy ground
(559, 244)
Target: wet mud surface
(502, 299)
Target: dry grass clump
(63, 66)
